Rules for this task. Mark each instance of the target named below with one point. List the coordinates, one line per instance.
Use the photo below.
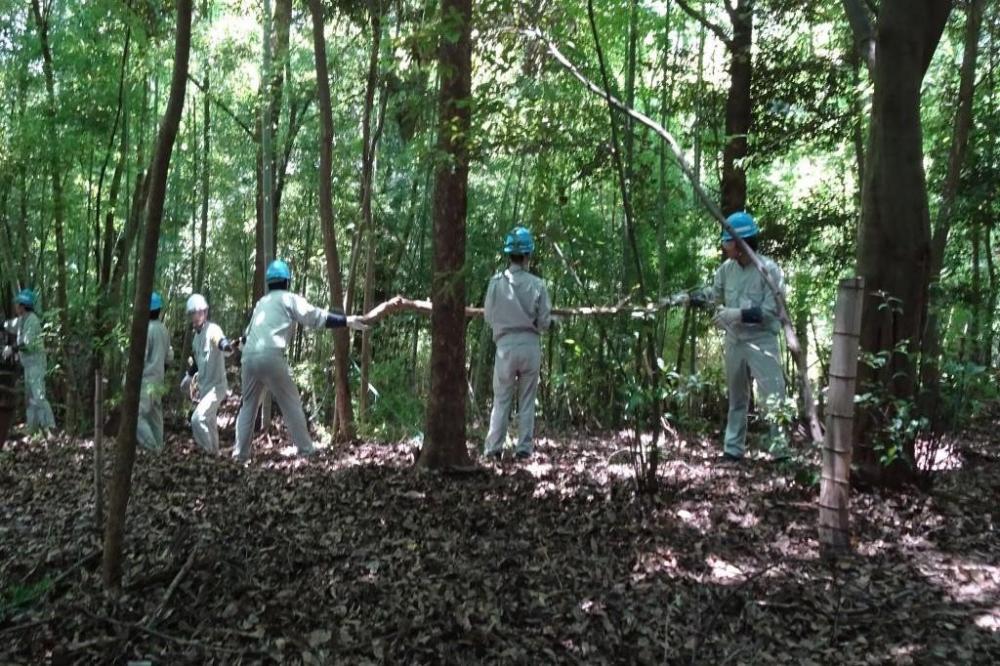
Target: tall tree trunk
(894, 245)
(991, 305)
(368, 145)
(629, 132)
(975, 326)
(345, 416)
(121, 482)
(281, 35)
(199, 280)
(931, 348)
(738, 109)
(623, 183)
(58, 210)
(699, 108)
(445, 444)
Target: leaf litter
(354, 557)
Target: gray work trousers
(515, 370)
(269, 372)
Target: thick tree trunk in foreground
(445, 433)
(121, 482)
(345, 412)
(894, 245)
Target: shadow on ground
(354, 557)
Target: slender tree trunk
(699, 108)
(445, 444)
(931, 351)
(341, 347)
(368, 145)
(991, 307)
(199, 280)
(738, 109)
(121, 482)
(58, 211)
(617, 157)
(894, 246)
(629, 133)
(975, 325)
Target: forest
(663, 331)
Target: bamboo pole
(835, 488)
(98, 450)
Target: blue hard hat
(155, 302)
(519, 241)
(743, 224)
(277, 270)
(25, 297)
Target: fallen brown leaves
(354, 557)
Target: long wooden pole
(835, 488)
(815, 429)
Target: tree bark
(445, 444)
(121, 482)
(894, 245)
(738, 109)
(345, 416)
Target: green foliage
(541, 156)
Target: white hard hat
(196, 302)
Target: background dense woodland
(783, 127)
(863, 135)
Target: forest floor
(354, 557)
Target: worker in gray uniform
(149, 431)
(29, 349)
(265, 367)
(747, 310)
(208, 373)
(518, 309)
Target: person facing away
(28, 347)
(265, 368)
(747, 311)
(518, 310)
(210, 346)
(149, 431)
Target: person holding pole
(747, 311)
(518, 309)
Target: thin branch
(215, 100)
(155, 615)
(715, 28)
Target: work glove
(8, 352)
(356, 323)
(727, 317)
(698, 298)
